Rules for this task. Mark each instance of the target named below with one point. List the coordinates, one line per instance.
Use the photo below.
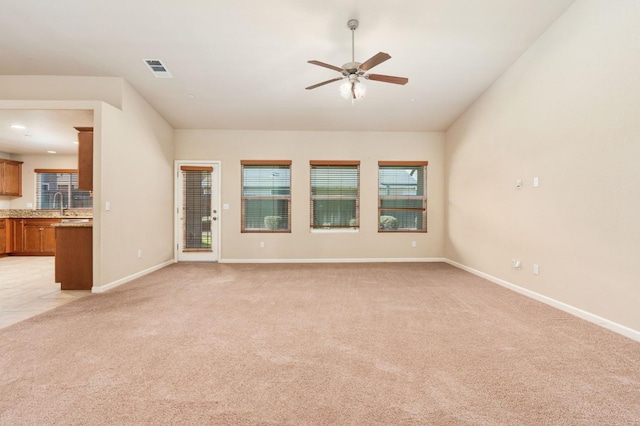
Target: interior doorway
(197, 211)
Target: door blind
(196, 206)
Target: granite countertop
(73, 225)
(45, 214)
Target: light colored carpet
(348, 344)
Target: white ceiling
(242, 64)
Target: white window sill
(335, 231)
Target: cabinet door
(16, 235)
(10, 177)
(3, 236)
(85, 158)
(31, 237)
(49, 240)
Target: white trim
(338, 260)
(113, 284)
(588, 316)
(334, 230)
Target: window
(402, 196)
(49, 182)
(335, 193)
(266, 196)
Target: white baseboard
(603, 322)
(339, 260)
(113, 284)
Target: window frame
(314, 198)
(71, 172)
(281, 197)
(423, 198)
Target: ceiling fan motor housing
(350, 68)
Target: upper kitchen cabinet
(10, 177)
(85, 158)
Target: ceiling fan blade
(387, 78)
(322, 64)
(376, 59)
(323, 83)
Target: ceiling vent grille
(157, 68)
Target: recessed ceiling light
(52, 152)
(18, 126)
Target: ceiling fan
(352, 71)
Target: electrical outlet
(413, 243)
(261, 244)
(139, 253)
(536, 269)
(516, 264)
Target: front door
(197, 211)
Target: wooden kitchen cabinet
(74, 257)
(10, 177)
(3, 237)
(14, 228)
(33, 237)
(85, 158)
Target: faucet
(61, 199)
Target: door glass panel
(196, 203)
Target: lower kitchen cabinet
(3, 237)
(32, 237)
(74, 257)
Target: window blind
(266, 196)
(335, 194)
(49, 182)
(196, 206)
(402, 196)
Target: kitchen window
(266, 196)
(402, 196)
(55, 186)
(335, 195)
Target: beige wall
(135, 175)
(26, 88)
(232, 146)
(568, 112)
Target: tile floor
(27, 288)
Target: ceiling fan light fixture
(353, 90)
